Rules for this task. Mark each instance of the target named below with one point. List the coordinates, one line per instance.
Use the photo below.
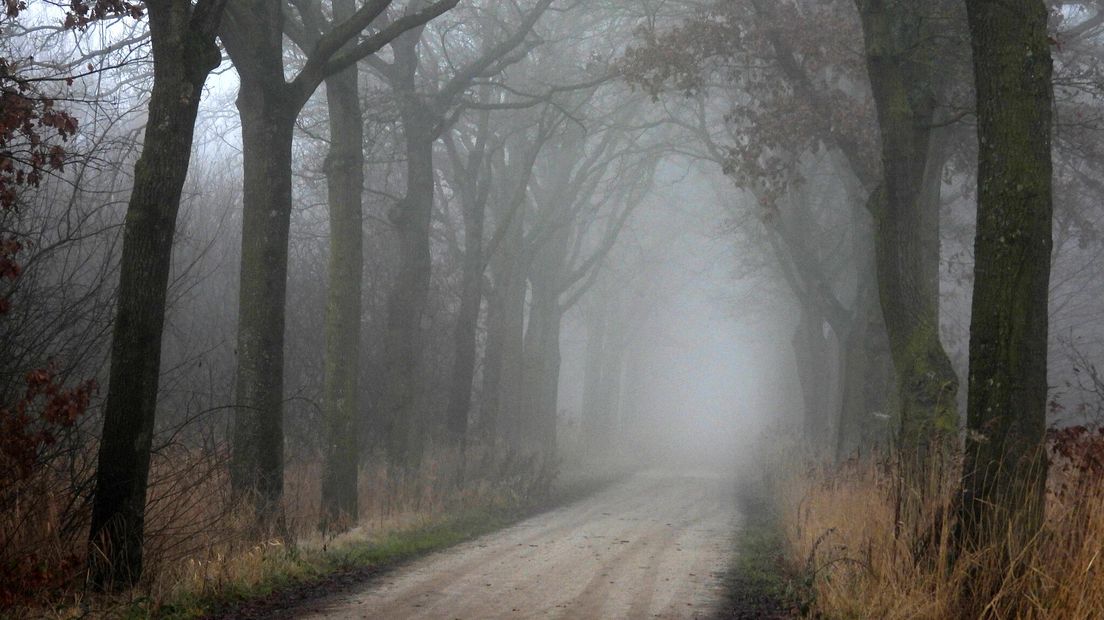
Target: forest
(569, 308)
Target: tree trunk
(635, 385)
(1004, 477)
(183, 58)
(492, 360)
(853, 415)
(341, 390)
(901, 66)
(505, 337)
(467, 321)
(407, 301)
(542, 350)
(593, 413)
(549, 408)
(538, 355)
(605, 353)
(542, 383)
(811, 356)
(269, 105)
(863, 373)
(257, 464)
(611, 401)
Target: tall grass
(842, 534)
(200, 546)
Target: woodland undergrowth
(844, 536)
(202, 552)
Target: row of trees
(473, 185)
(851, 162)
(462, 188)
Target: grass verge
(760, 583)
(301, 575)
(865, 561)
(292, 576)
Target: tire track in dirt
(654, 546)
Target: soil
(656, 545)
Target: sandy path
(653, 546)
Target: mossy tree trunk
(864, 360)
(341, 388)
(257, 468)
(253, 34)
(1004, 478)
(902, 64)
(184, 54)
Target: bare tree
(426, 111)
(268, 104)
(184, 54)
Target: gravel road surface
(652, 546)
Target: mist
(604, 309)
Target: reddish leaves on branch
(1081, 449)
(9, 269)
(27, 429)
(82, 13)
(31, 574)
(32, 131)
(34, 422)
(31, 128)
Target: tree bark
(542, 379)
(542, 349)
(863, 363)
(341, 389)
(269, 105)
(471, 300)
(257, 461)
(540, 353)
(1004, 476)
(594, 415)
(852, 415)
(184, 54)
(505, 334)
(811, 356)
(253, 36)
(902, 65)
(409, 293)
(613, 378)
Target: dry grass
(200, 547)
(842, 535)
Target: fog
(704, 378)
(311, 271)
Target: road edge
(759, 583)
(365, 564)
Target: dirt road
(654, 546)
